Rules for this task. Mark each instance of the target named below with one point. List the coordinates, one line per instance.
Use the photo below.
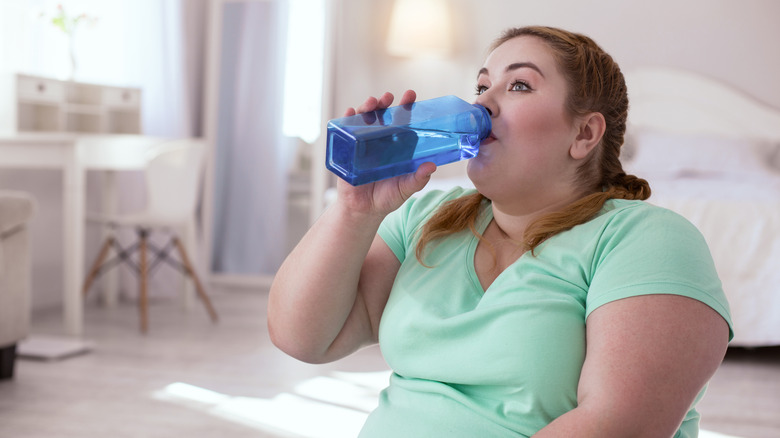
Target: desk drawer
(40, 89)
(122, 97)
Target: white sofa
(16, 210)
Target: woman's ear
(592, 128)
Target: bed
(711, 154)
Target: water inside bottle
(382, 144)
(408, 144)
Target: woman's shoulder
(648, 225)
(427, 201)
(400, 228)
(625, 210)
(444, 193)
(422, 205)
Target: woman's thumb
(415, 182)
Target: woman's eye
(519, 86)
(481, 89)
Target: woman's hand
(382, 197)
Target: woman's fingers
(409, 96)
(384, 101)
(414, 182)
(372, 103)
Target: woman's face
(526, 159)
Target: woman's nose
(489, 105)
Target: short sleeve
(393, 229)
(645, 250)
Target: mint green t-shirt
(506, 362)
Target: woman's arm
(328, 296)
(647, 359)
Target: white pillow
(655, 151)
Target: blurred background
(260, 78)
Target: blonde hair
(595, 84)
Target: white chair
(173, 180)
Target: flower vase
(72, 53)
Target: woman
(552, 301)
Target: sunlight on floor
(708, 434)
(322, 407)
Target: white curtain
(252, 155)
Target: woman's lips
(490, 138)
(486, 142)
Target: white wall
(732, 41)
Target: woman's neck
(512, 219)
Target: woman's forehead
(525, 49)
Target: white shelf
(51, 105)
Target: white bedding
(740, 220)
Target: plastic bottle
(381, 144)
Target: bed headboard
(678, 101)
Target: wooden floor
(189, 378)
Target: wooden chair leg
(98, 263)
(198, 286)
(143, 302)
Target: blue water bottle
(381, 144)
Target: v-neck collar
(483, 220)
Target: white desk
(74, 154)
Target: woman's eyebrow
(518, 65)
(515, 66)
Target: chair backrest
(173, 179)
